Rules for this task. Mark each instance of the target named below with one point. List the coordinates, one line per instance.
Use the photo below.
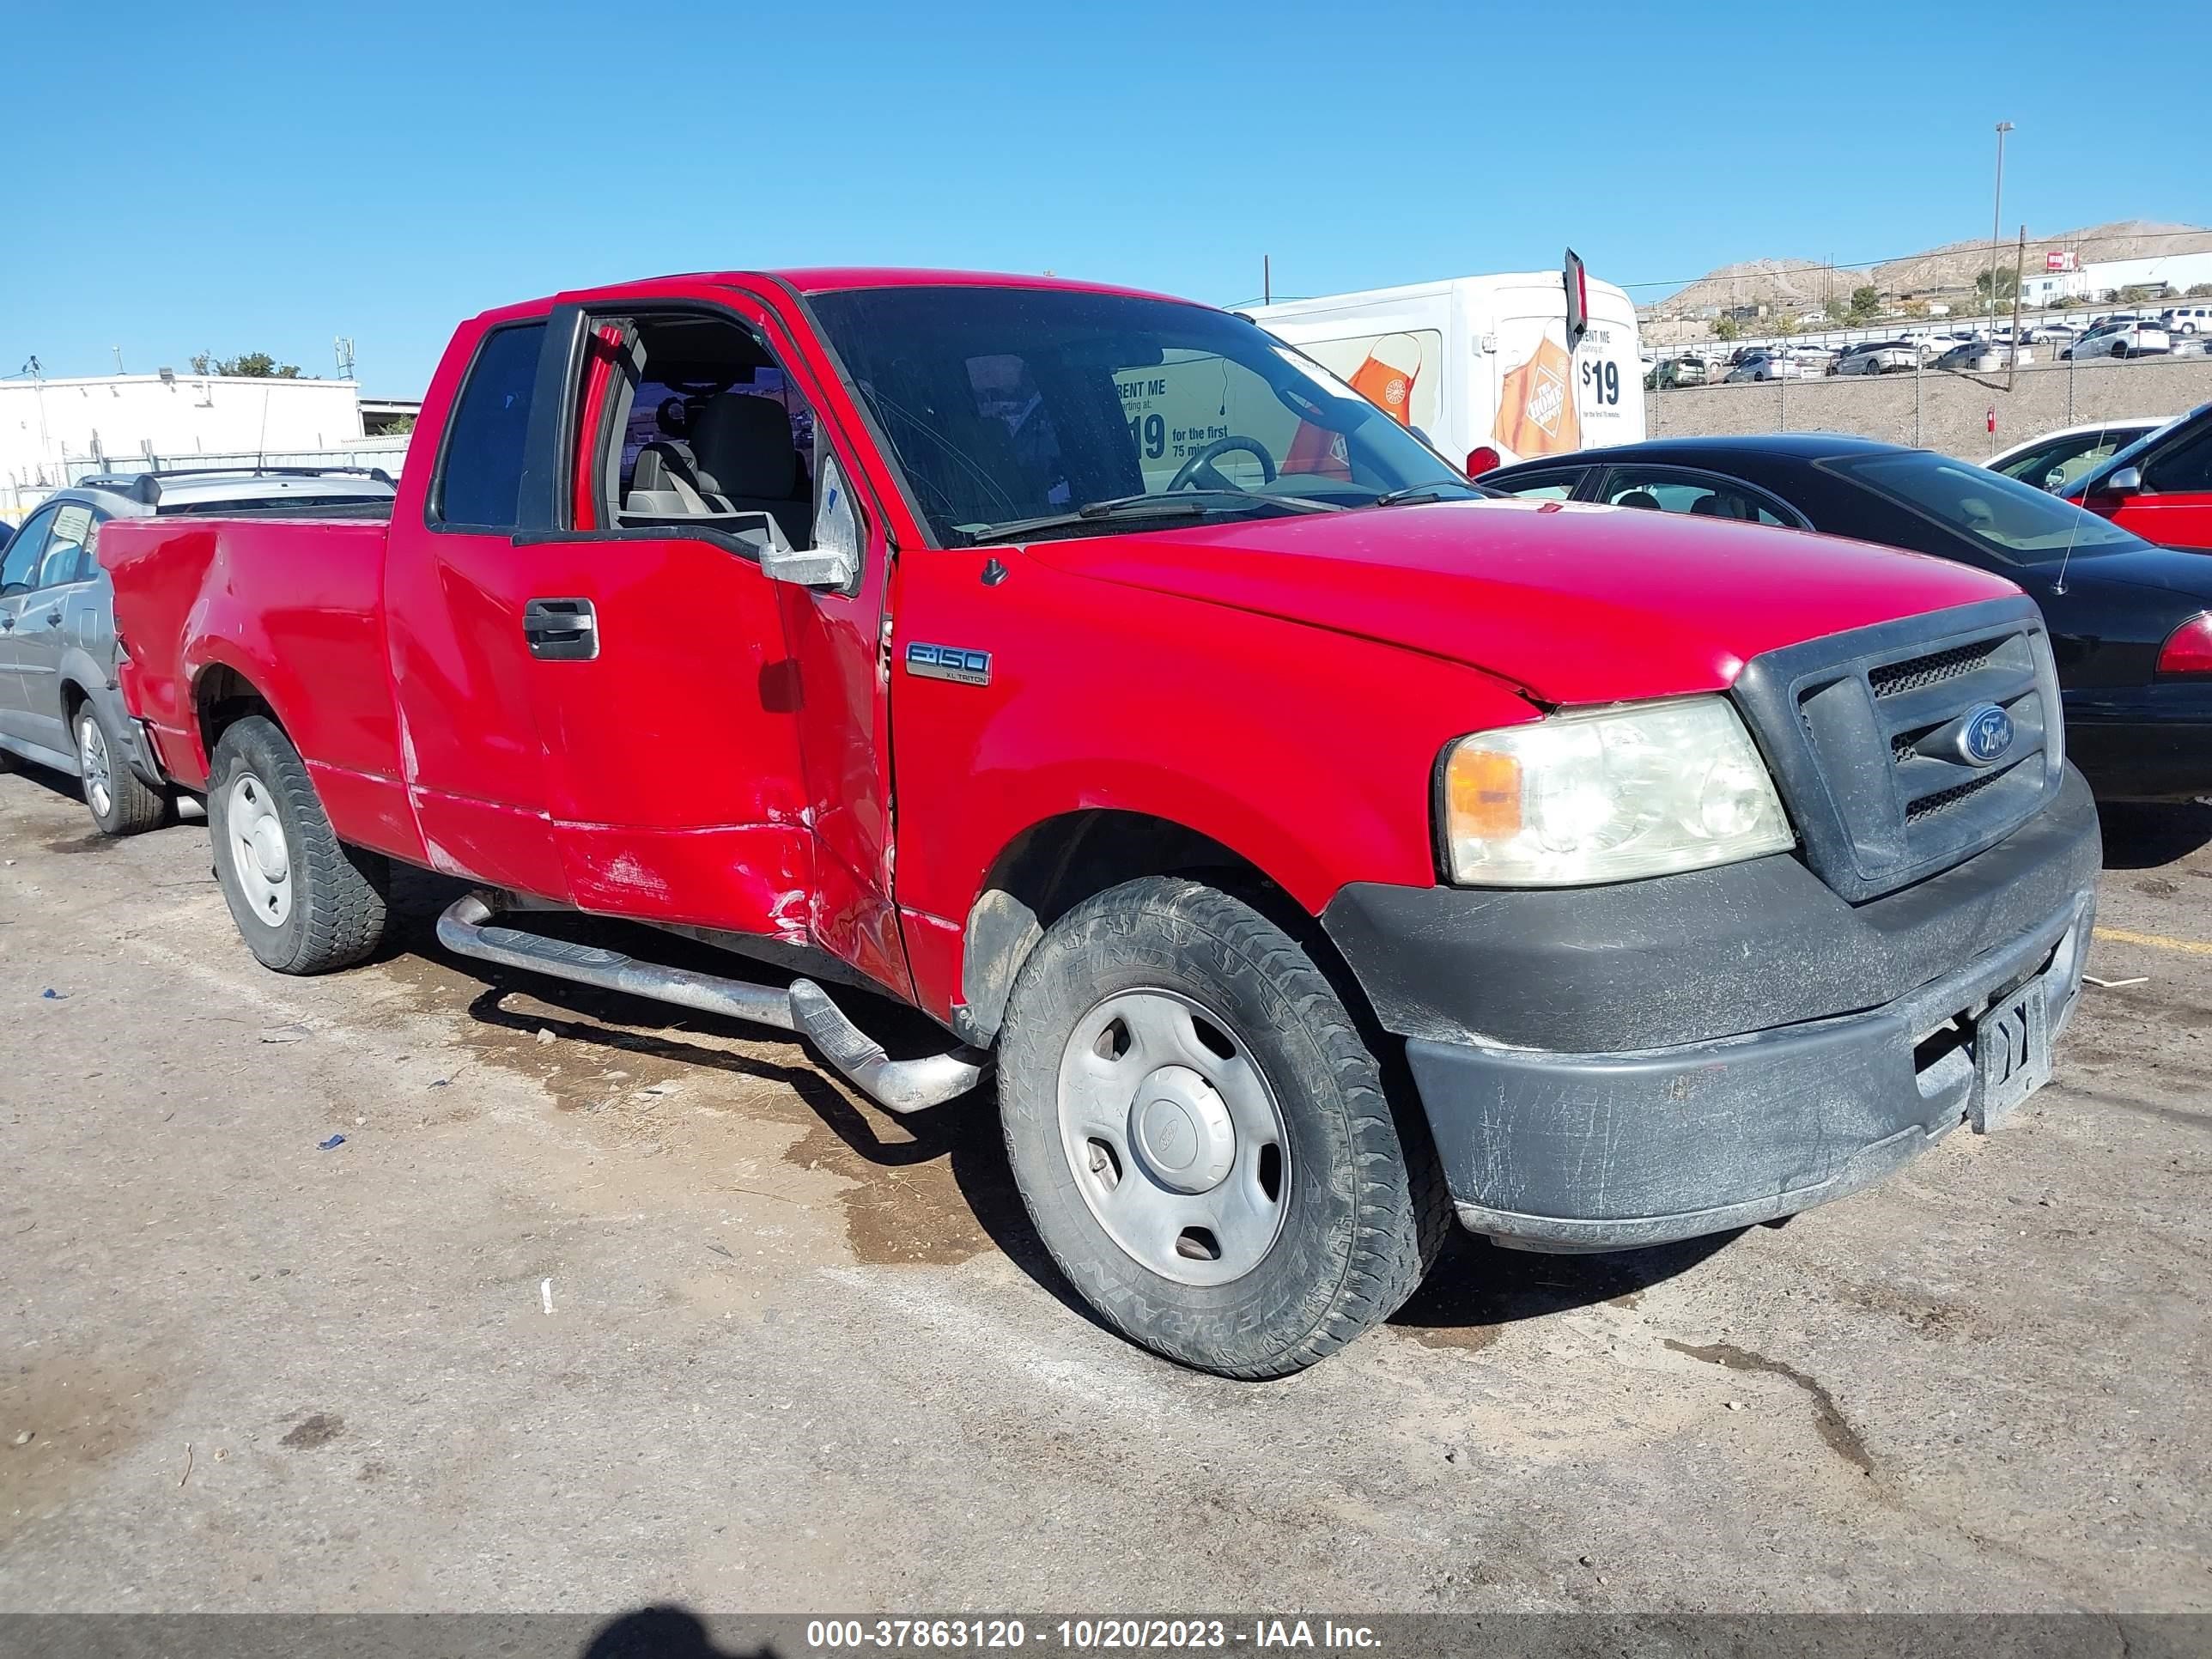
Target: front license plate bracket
(2012, 1056)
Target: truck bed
(280, 600)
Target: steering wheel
(1203, 462)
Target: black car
(2130, 623)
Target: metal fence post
(1917, 444)
(2070, 360)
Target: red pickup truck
(1318, 847)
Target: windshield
(2018, 523)
(1008, 406)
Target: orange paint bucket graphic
(1537, 412)
(1386, 377)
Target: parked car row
(2131, 621)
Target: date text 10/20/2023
(1089, 1635)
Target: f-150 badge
(949, 662)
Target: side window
(2186, 467)
(1698, 495)
(480, 477)
(1543, 486)
(20, 568)
(63, 560)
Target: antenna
(2058, 587)
(344, 347)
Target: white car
(1981, 356)
(2057, 458)
(2187, 319)
(2122, 338)
(1780, 364)
(1879, 357)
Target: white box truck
(1481, 366)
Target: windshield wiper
(1183, 504)
(1425, 492)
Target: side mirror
(832, 564)
(827, 570)
(2128, 481)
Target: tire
(1229, 1021)
(2119, 351)
(304, 902)
(121, 803)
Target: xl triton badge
(952, 662)
(1984, 734)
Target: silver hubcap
(258, 855)
(1174, 1137)
(92, 761)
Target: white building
(2178, 271)
(52, 431)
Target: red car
(2161, 486)
(1318, 847)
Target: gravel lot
(595, 1307)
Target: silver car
(59, 706)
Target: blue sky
(240, 177)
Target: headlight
(1609, 794)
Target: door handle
(53, 619)
(560, 630)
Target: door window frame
(1705, 478)
(581, 366)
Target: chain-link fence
(1939, 409)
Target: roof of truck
(826, 279)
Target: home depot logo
(1395, 394)
(1547, 399)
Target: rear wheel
(121, 804)
(304, 902)
(1201, 1135)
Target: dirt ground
(595, 1307)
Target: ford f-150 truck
(1316, 847)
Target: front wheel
(1201, 1135)
(304, 901)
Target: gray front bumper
(1600, 1151)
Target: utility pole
(2019, 270)
(1997, 218)
(117, 350)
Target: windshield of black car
(1007, 404)
(2019, 524)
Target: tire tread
(340, 891)
(1401, 1209)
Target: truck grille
(1862, 730)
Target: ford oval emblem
(1984, 735)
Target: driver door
(19, 569)
(713, 740)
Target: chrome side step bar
(899, 1086)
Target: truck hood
(1570, 603)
